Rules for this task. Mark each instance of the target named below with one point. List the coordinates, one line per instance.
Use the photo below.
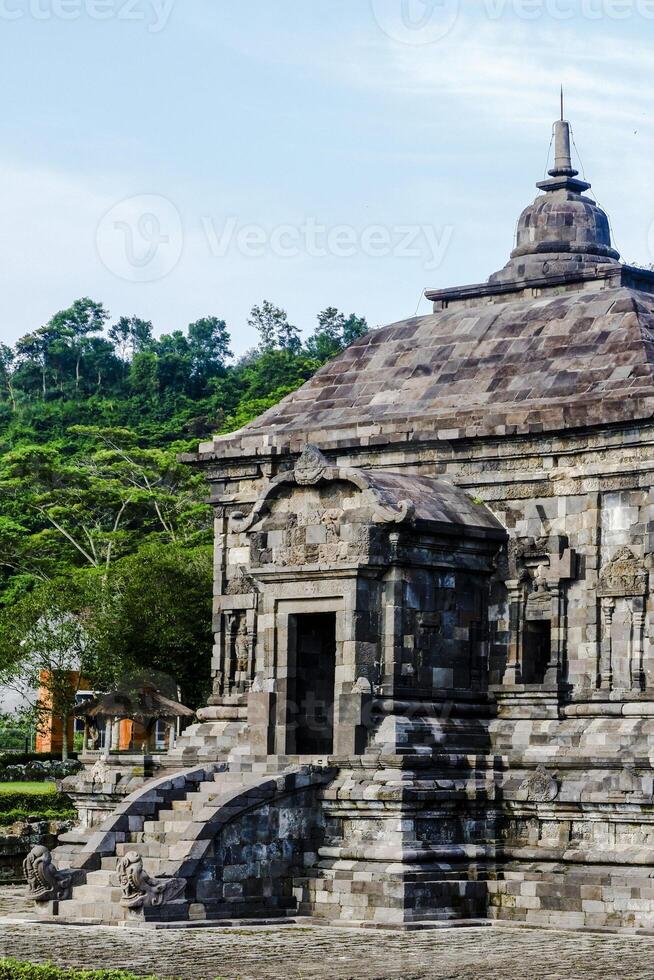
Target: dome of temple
(563, 230)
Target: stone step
(212, 790)
(155, 828)
(151, 863)
(169, 816)
(101, 878)
(102, 895)
(79, 909)
(146, 848)
(183, 804)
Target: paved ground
(331, 954)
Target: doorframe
(286, 609)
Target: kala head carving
(44, 882)
(540, 787)
(139, 890)
(310, 467)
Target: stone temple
(434, 663)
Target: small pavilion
(131, 718)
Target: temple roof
(561, 338)
(516, 367)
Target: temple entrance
(311, 684)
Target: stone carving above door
(310, 467)
(624, 575)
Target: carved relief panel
(622, 594)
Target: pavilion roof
(142, 703)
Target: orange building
(50, 735)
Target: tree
(209, 348)
(153, 480)
(46, 650)
(275, 332)
(7, 365)
(143, 375)
(83, 506)
(131, 335)
(334, 333)
(327, 339)
(63, 513)
(32, 349)
(157, 616)
(92, 421)
(354, 328)
(75, 324)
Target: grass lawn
(35, 788)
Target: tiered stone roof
(562, 337)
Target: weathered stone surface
(332, 954)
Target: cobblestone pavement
(331, 954)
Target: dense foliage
(21, 806)
(14, 970)
(105, 539)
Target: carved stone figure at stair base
(139, 890)
(44, 882)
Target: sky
(182, 158)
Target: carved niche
(624, 575)
(622, 590)
(238, 665)
(539, 600)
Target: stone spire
(562, 156)
(562, 232)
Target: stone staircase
(178, 826)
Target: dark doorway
(311, 684)
(537, 650)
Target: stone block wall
(253, 862)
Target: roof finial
(563, 175)
(562, 153)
